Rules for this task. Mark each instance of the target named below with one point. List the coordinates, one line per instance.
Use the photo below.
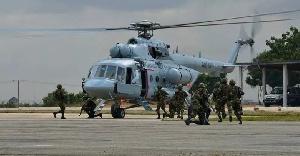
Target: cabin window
(157, 79)
(135, 77)
(121, 75)
(111, 72)
(151, 78)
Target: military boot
(187, 121)
(220, 118)
(165, 114)
(158, 116)
(54, 114)
(63, 115)
(230, 118)
(206, 121)
(224, 115)
(100, 115)
(200, 122)
(240, 121)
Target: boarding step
(144, 103)
(100, 106)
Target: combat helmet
(224, 81)
(201, 85)
(232, 82)
(217, 85)
(159, 87)
(179, 86)
(59, 86)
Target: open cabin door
(144, 82)
(132, 84)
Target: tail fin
(234, 54)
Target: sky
(42, 62)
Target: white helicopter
(136, 68)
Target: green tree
(71, 98)
(283, 49)
(208, 80)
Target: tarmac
(136, 135)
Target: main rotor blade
(63, 30)
(233, 18)
(229, 23)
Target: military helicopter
(136, 68)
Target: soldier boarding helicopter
(137, 67)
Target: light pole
(18, 91)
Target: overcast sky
(66, 59)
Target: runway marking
(43, 145)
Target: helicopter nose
(99, 87)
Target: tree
(286, 48)
(71, 98)
(208, 80)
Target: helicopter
(136, 68)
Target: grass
(248, 115)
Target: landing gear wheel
(114, 110)
(121, 113)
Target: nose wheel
(117, 112)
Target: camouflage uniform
(160, 95)
(172, 107)
(234, 95)
(60, 99)
(217, 98)
(224, 97)
(89, 107)
(199, 106)
(179, 98)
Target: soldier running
(179, 98)
(161, 96)
(224, 99)
(217, 99)
(60, 99)
(234, 95)
(199, 106)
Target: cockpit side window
(102, 70)
(111, 72)
(121, 75)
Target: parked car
(276, 97)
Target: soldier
(217, 98)
(179, 98)
(224, 98)
(172, 107)
(196, 109)
(234, 95)
(60, 99)
(89, 107)
(160, 95)
(202, 96)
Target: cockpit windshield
(111, 72)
